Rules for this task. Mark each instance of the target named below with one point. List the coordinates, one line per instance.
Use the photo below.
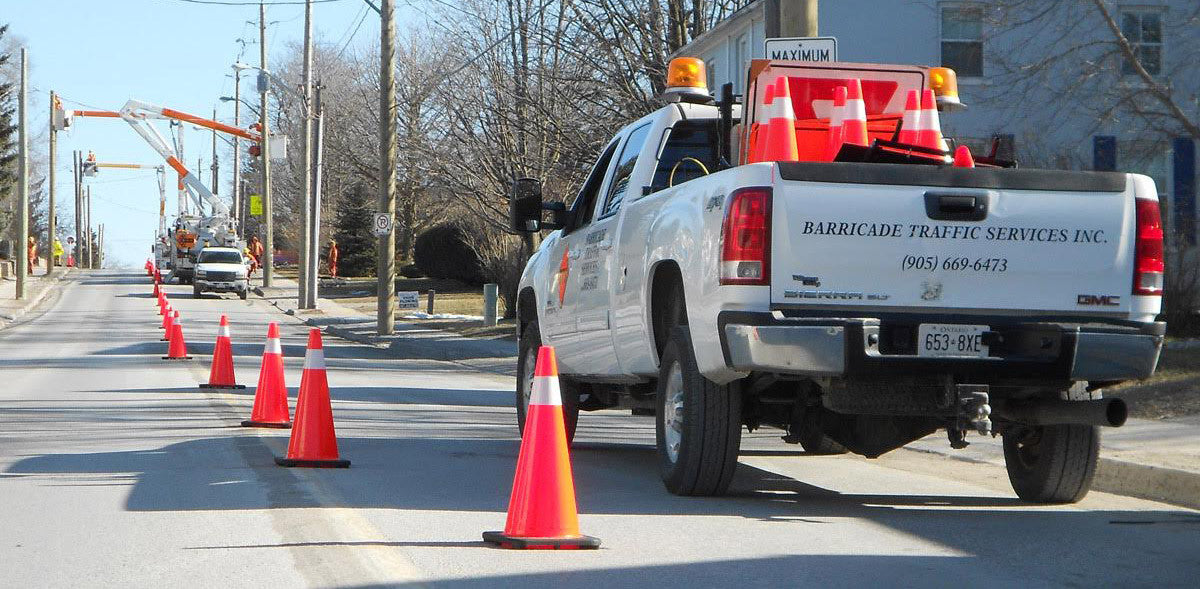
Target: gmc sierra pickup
(856, 304)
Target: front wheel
(195, 291)
(698, 423)
(243, 294)
(531, 340)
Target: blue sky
(98, 54)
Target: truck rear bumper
(861, 347)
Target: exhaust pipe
(1107, 412)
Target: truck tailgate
(924, 238)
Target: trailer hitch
(971, 412)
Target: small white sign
(382, 224)
(802, 48)
(407, 299)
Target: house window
(962, 39)
(1143, 29)
(741, 61)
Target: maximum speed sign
(382, 224)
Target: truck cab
(221, 269)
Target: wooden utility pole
(305, 233)
(52, 217)
(215, 167)
(22, 178)
(78, 253)
(91, 250)
(798, 18)
(238, 213)
(386, 271)
(268, 264)
(100, 248)
(314, 227)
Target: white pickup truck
(856, 305)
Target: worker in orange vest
(333, 258)
(256, 252)
(33, 255)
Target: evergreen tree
(8, 140)
(352, 230)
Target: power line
(255, 2)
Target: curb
(1168, 485)
(36, 299)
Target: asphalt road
(116, 470)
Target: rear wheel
(531, 340)
(195, 291)
(1053, 463)
(243, 294)
(698, 425)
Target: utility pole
(798, 18)
(386, 271)
(268, 264)
(91, 251)
(215, 166)
(100, 248)
(314, 248)
(238, 216)
(78, 253)
(23, 179)
(52, 218)
(303, 301)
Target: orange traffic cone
(162, 303)
(157, 293)
(168, 321)
(177, 349)
(270, 398)
(833, 142)
(854, 125)
(220, 376)
(758, 144)
(781, 130)
(910, 128)
(541, 510)
(314, 442)
(931, 127)
(962, 157)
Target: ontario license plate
(944, 340)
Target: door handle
(949, 206)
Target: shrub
(443, 252)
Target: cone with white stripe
(270, 398)
(313, 443)
(930, 132)
(541, 510)
(168, 320)
(910, 127)
(854, 124)
(221, 375)
(177, 348)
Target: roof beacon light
(686, 81)
(944, 83)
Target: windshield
(220, 257)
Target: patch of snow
(420, 315)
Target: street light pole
(386, 252)
(78, 253)
(238, 214)
(314, 247)
(268, 232)
(23, 178)
(51, 219)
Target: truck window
(694, 139)
(585, 202)
(625, 163)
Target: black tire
(1053, 463)
(531, 340)
(243, 294)
(195, 291)
(708, 423)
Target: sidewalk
(36, 289)
(408, 340)
(1157, 460)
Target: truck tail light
(1148, 249)
(746, 238)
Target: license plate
(944, 340)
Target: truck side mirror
(525, 205)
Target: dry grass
(451, 297)
(1173, 391)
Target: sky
(97, 54)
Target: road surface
(116, 470)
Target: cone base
(165, 339)
(274, 424)
(177, 358)
(222, 386)
(297, 462)
(571, 543)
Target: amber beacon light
(686, 80)
(944, 83)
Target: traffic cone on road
(781, 131)
(168, 320)
(541, 510)
(157, 292)
(270, 397)
(314, 441)
(177, 349)
(162, 303)
(910, 128)
(221, 375)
